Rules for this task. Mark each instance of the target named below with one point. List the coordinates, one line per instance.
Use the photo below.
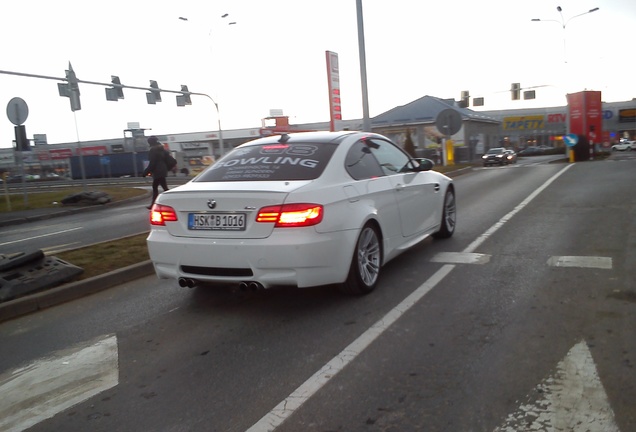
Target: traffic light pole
(218, 116)
(183, 95)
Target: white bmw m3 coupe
(300, 209)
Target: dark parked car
(14, 179)
(533, 151)
(495, 156)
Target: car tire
(365, 264)
(449, 216)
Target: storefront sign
(627, 115)
(523, 123)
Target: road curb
(74, 290)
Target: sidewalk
(73, 290)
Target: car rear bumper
(287, 257)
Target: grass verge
(104, 257)
(53, 199)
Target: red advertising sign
(94, 150)
(586, 114)
(60, 153)
(43, 153)
(333, 76)
(66, 153)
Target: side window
(361, 164)
(391, 158)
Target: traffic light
(71, 89)
(155, 94)
(115, 92)
(184, 98)
(478, 101)
(465, 101)
(529, 94)
(515, 91)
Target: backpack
(170, 161)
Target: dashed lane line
(581, 262)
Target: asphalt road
(82, 228)
(524, 320)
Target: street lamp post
(216, 105)
(564, 23)
(363, 69)
(218, 116)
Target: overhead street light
(564, 23)
(222, 16)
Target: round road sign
(17, 111)
(448, 122)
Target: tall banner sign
(586, 114)
(333, 76)
(586, 120)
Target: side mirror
(423, 164)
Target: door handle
(436, 187)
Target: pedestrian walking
(157, 167)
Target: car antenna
(283, 138)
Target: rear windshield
(276, 161)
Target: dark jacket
(157, 162)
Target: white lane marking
(59, 248)
(287, 407)
(277, 416)
(581, 261)
(482, 238)
(49, 386)
(41, 236)
(572, 400)
(26, 228)
(461, 258)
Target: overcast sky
(274, 58)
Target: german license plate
(217, 221)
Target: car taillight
(291, 215)
(161, 214)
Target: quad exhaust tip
(243, 286)
(251, 286)
(187, 282)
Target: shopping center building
(479, 131)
